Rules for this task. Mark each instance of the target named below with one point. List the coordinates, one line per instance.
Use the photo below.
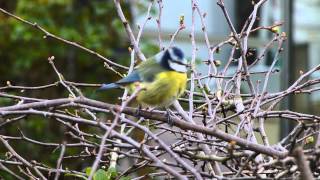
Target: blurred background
(302, 50)
(95, 25)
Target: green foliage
(149, 48)
(23, 57)
(89, 23)
(142, 6)
(111, 173)
(101, 174)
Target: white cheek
(177, 67)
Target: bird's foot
(169, 119)
(138, 111)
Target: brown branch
(25, 162)
(128, 30)
(303, 164)
(131, 111)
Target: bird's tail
(108, 86)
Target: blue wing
(131, 78)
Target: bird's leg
(137, 114)
(169, 119)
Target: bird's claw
(137, 114)
(169, 119)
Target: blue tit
(162, 79)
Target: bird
(162, 79)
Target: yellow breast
(166, 88)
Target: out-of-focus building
(305, 44)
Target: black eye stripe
(178, 62)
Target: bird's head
(173, 59)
